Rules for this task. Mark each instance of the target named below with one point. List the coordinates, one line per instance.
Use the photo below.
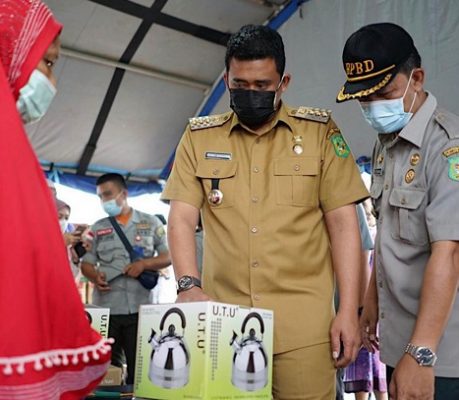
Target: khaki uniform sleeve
(442, 218)
(183, 184)
(340, 182)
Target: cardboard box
(113, 377)
(99, 318)
(204, 350)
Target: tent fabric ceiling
(138, 94)
(130, 76)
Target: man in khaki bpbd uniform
(415, 189)
(276, 186)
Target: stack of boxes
(204, 350)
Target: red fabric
(42, 317)
(27, 28)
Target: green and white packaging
(204, 350)
(98, 318)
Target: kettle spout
(153, 340)
(236, 346)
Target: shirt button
(255, 199)
(386, 186)
(403, 201)
(382, 315)
(296, 167)
(256, 169)
(391, 156)
(257, 140)
(254, 229)
(255, 264)
(256, 297)
(380, 284)
(215, 171)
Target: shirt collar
(280, 116)
(135, 216)
(415, 130)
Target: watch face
(184, 282)
(425, 356)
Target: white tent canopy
(133, 72)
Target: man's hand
(345, 339)
(410, 381)
(193, 294)
(134, 269)
(101, 282)
(368, 322)
(71, 239)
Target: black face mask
(253, 107)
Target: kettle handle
(172, 311)
(253, 315)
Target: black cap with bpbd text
(372, 57)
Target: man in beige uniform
(276, 185)
(415, 189)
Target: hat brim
(357, 90)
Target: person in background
(366, 374)
(199, 237)
(415, 189)
(47, 348)
(276, 187)
(70, 238)
(115, 279)
(165, 290)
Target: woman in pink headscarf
(47, 348)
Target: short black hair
(413, 61)
(112, 177)
(256, 42)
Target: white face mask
(35, 97)
(64, 224)
(388, 116)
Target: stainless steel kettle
(170, 358)
(250, 362)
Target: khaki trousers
(307, 373)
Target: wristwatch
(424, 356)
(187, 282)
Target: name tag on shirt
(213, 155)
(103, 232)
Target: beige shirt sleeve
(442, 218)
(183, 184)
(340, 182)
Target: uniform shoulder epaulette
(210, 121)
(449, 122)
(312, 114)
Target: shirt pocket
(297, 181)
(225, 172)
(408, 206)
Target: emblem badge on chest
(297, 145)
(409, 176)
(215, 196)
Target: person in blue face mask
(114, 280)
(415, 190)
(36, 96)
